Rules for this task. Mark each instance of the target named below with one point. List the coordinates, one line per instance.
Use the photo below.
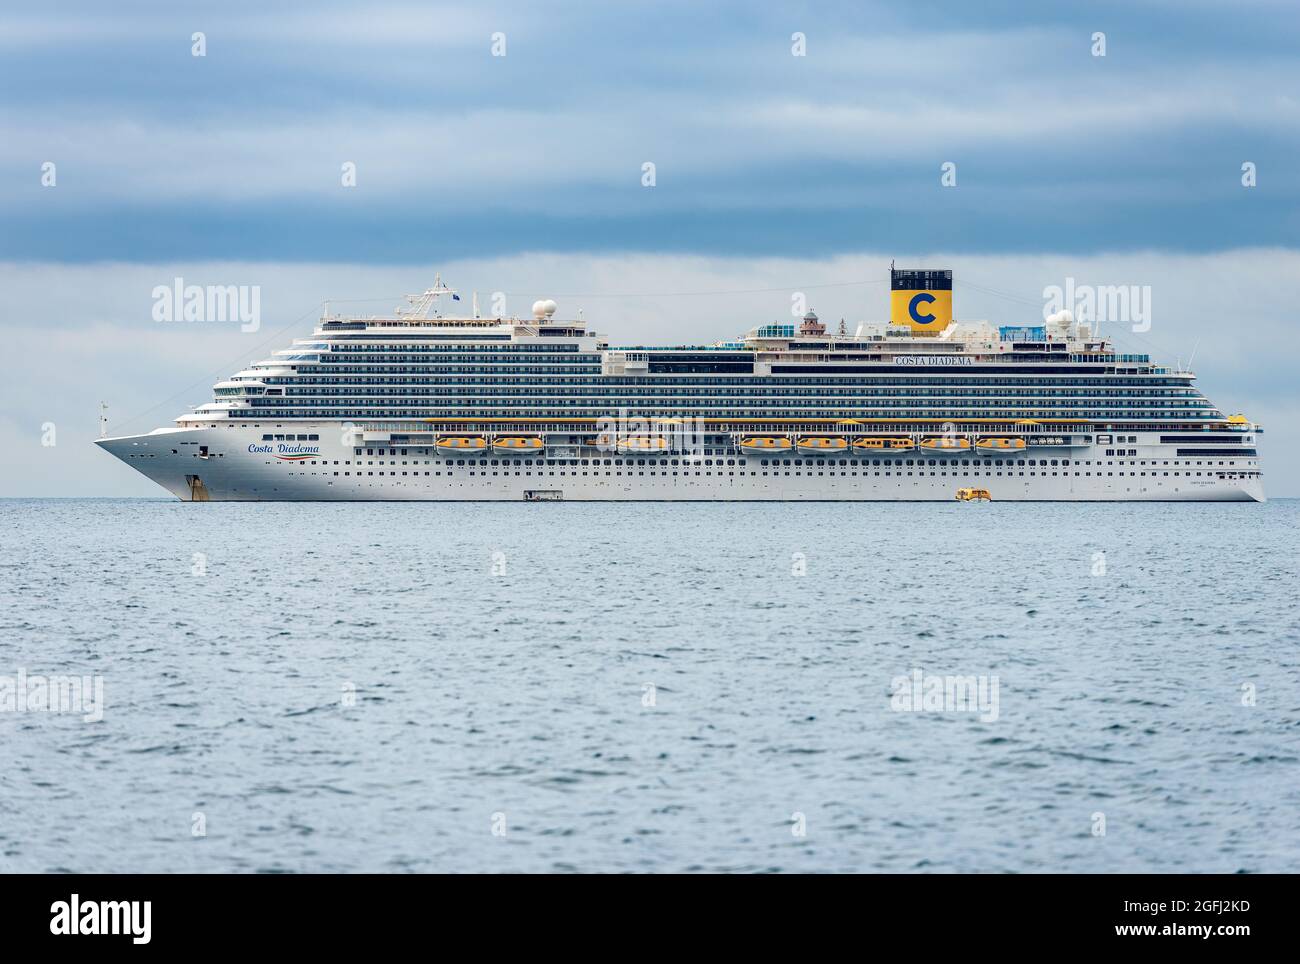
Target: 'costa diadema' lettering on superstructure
(422, 406)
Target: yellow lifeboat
(821, 445)
(461, 445)
(869, 445)
(642, 444)
(766, 445)
(946, 446)
(518, 445)
(974, 495)
(1000, 446)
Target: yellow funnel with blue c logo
(920, 299)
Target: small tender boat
(1000, 446)
(821, 445)
(974, 495)
(871, 445)
(461, 445)
(642, 444)
(946, 446)
(765, 445)
(518, 445)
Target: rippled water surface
(501, 657)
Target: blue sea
(651, 687)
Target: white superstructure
(421, 406)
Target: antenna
(427, 299)
(1193, 358)
(476, 304)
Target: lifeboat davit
(946, 446)
(642, 445)
(821, 445)
(518, 445)
(461, 445)
(766, 445)
(1000, 446)
(871, 445)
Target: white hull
(342, 472)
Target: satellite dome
(544, 308)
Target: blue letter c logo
(923, 298)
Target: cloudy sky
(523, 173)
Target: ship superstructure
(421, 406)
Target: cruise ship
(422, 406)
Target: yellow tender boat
(634, 444)
(946, 446)
(870, 444)
(1000, 446)
(822, 445)
(765, 445)
(974, 495)
(519, 445)
(461, 445)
